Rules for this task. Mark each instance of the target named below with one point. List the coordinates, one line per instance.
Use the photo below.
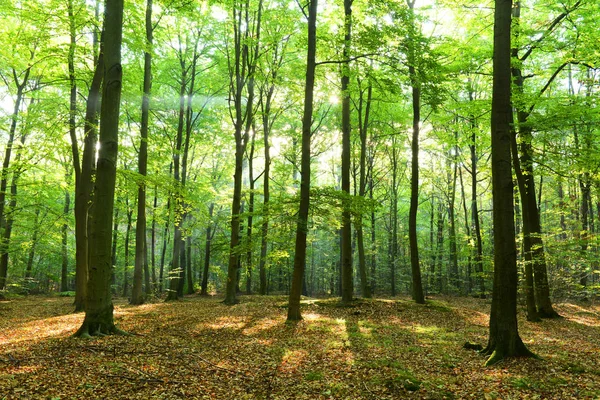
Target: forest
(299, 199)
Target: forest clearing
(376, 349)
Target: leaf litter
(199, 348)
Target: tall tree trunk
(8, 218)
(153, 242)
(453, 275)
(175, 272)
(504, 339)
(468, 275)
(393, 245)
(363, 125)
(165, 241)
(6, 163)
(302, 223)
(532, 312)
(417, 288)
(242, 76)
(474, 208)
(532, 229)
(347, 278)
(83, 207)
(141, 253)
(99, 307)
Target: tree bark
(207, 250)
(99, 308)
(347, 278)
(417, 288)
(504, 339)
(141, 253)
(302, 223)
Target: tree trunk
(532, 229)
(64, 271)
(363, 125)
(504, 339)
(99, 307)
(126, 244)
(141, 253)
(174, 272)
(29, 268)
(347, 279)
(6, 163)
(84, 186)
(475, 210)
(302, 223)
(209, 236)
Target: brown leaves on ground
(376, 349)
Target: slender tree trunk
(6, 163)
(504, 339)
(99, 307)
(126, 244)
(475, 210)
(64, 271)
(417, 288)
(115, 233)
(302, 224)
(174, 272)
(363, 123)
(453, 275)
(141, 253)
(153, 242)
(347, 278)
(209, 237)
(29, 268)
(242, 75)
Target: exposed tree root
(497, 353)
(89, 330)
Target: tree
(504, 340)
(99, 308)
(417, 287)
(302, 221)
(141, 252)
(242, 67)
(347, 276)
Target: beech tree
(99, 308)
(504, 340)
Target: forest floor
(377, 349)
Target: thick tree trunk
(141, 253)
(302, 224)
(99, 307)
(504, 339)
(84, 185)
